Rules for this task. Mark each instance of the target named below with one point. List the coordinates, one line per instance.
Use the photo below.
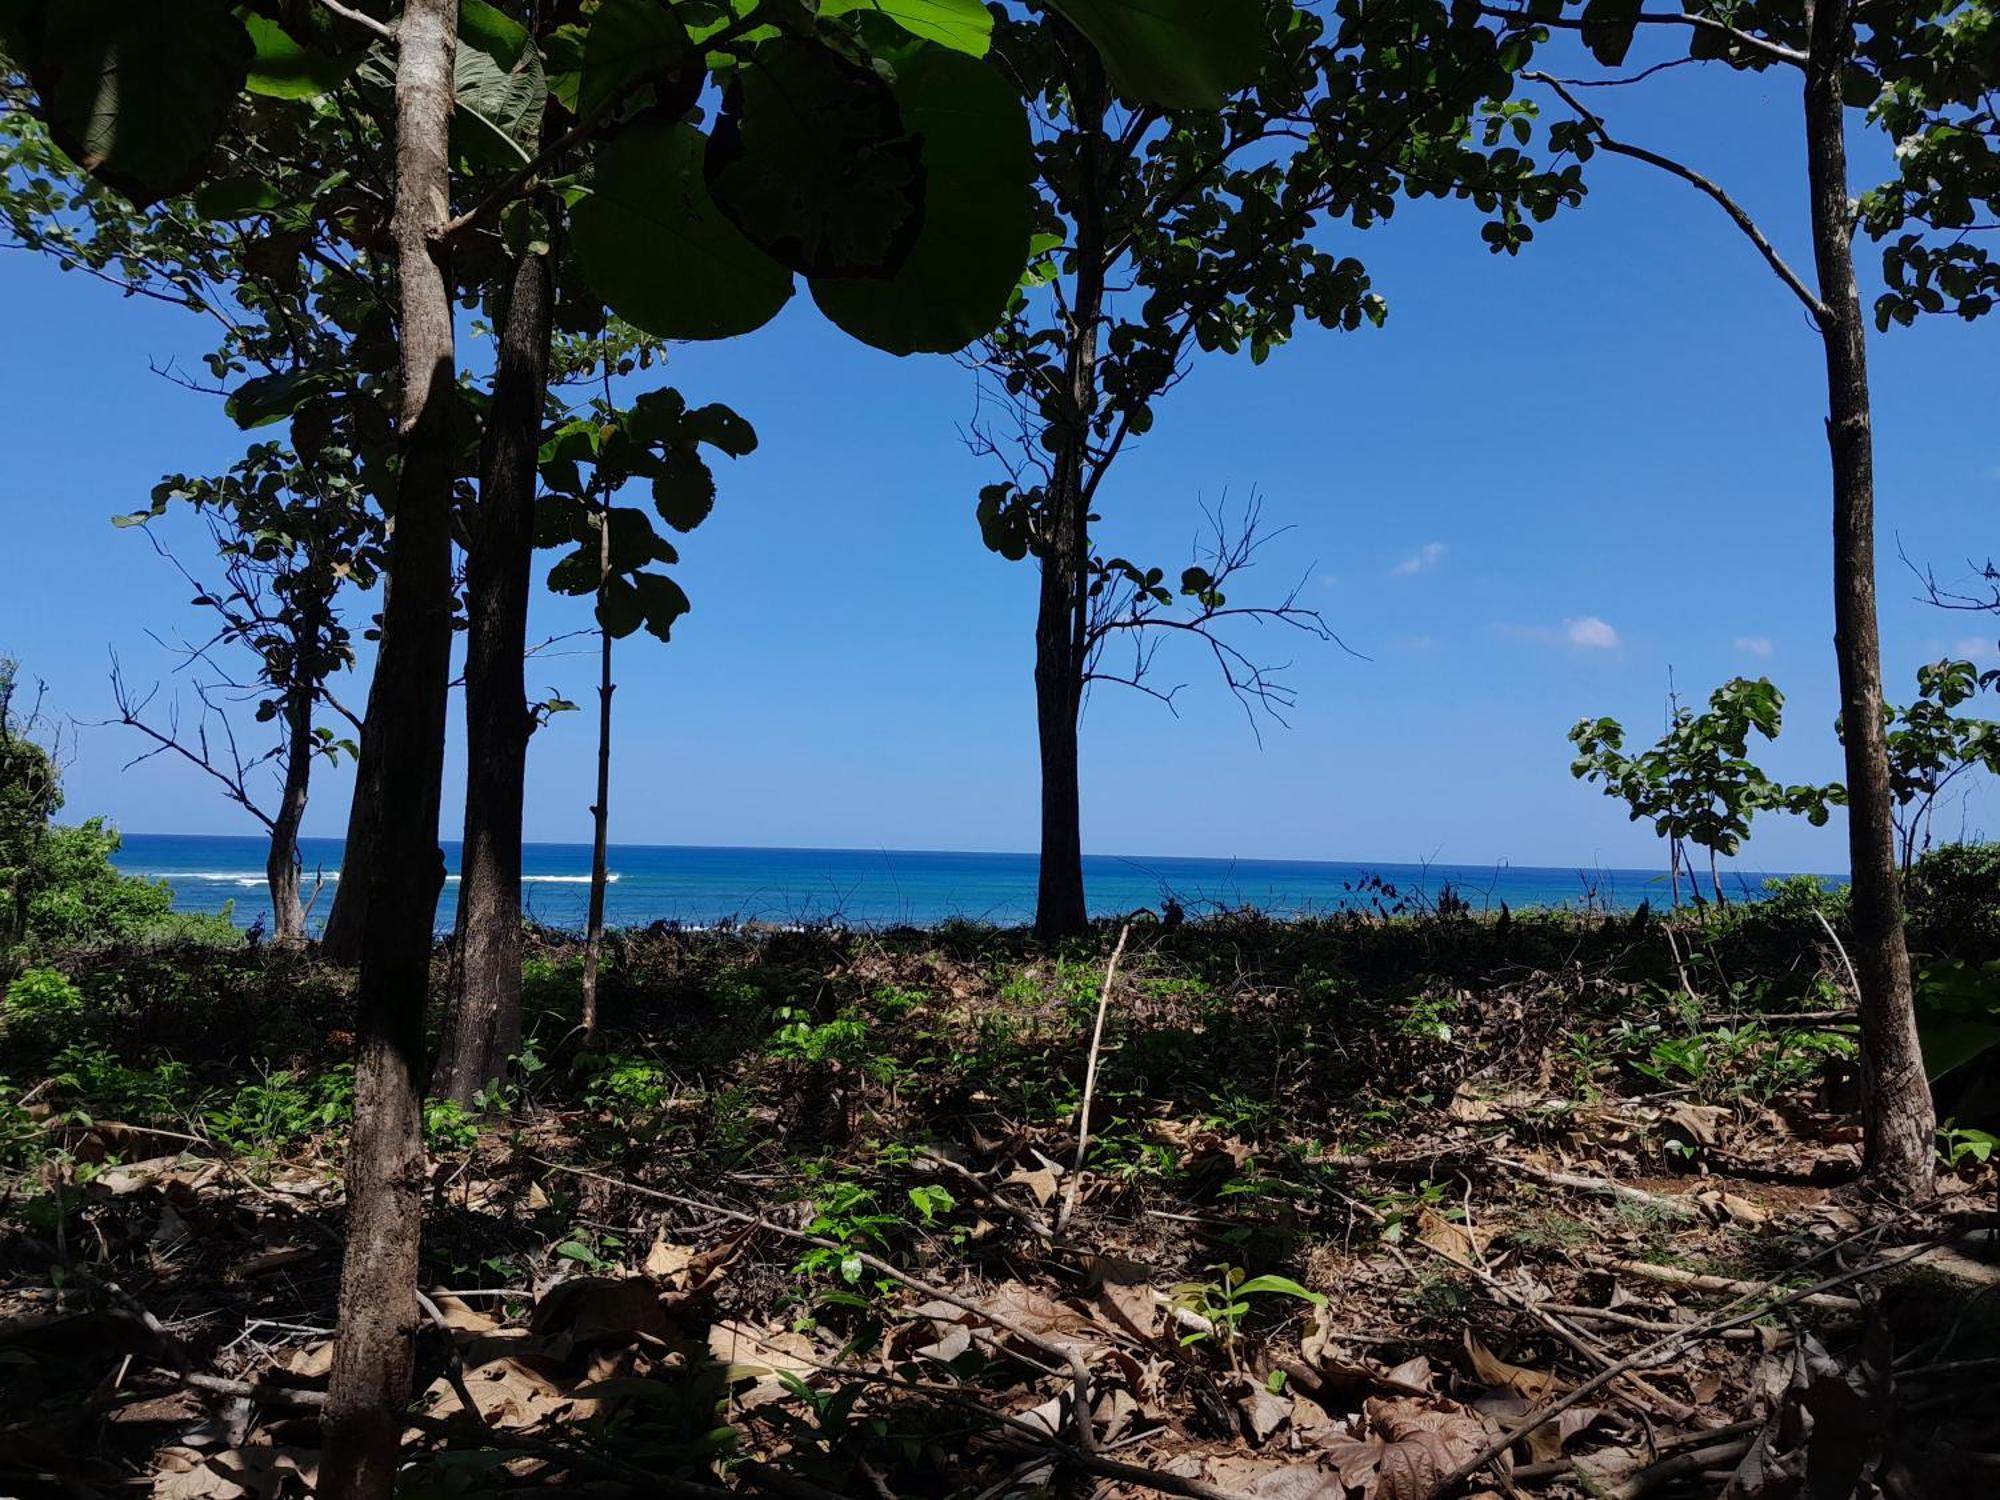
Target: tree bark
(1898, 1119)
(600, 810)
(281, 866)
(340, 939)
(1062, 613)
(374, 1349)
(484, 1031)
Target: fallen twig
(1603, 1187)
(1666, 1349)
(1675, 1276)
(1090, 1084)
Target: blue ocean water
(883, 887)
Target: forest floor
(1548, 1205)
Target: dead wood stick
(1853, 979)
(263, 1395)
(1675, 1276)
(1627, 1320)
(1090, 1084)
(1668, 1348)
(1658, 1476)
(1079, 1371)
(1603, 1187)
(454, 1367)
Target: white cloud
(1590, 632)
(1756, 645)
(1422, 560)
(1975, 648)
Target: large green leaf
(499, 87)
(286, 69)
(811, 159)
(135, 91)
(629, 39)
(658, 252)
(962, 25)
(978, 210)
(1180, 54)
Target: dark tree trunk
(281, 867)
(485, 1027)
(600, 810)
(340, 939)
(374, 1350)
(1062, 615)
(1897, 1115)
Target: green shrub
(43, 1010)
(1953, 898)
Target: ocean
(699, 886)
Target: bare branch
(1737, 214)
(233, 775)
(366, 22)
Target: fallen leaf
(1041, 1182)
(1264, 1412)
(1490, 1369)
(1411, 1446)
(1453, 1238)
(668, 1262)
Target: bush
(43, 1010)
(81, 899)
(1953, 899)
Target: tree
(1164, 233)
(1930, 747)
(30, 796)
(1697, 784)
(291, 538)
(1835, 47)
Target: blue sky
(1545, 483)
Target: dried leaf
(1264, 1412)
(1041, 1182)
(1490, 1369)
(668, 1262)
(1454, 1239)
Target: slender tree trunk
(1062, 612)
(1715, 879)
(281, 866)
(374, 1349)
(1898, 1119)
(340, 939)
(485, 1028)
(600, 810)
(1674, 869)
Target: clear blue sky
(1549, 480)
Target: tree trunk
(281, 866)
(374, 1350)
(1062, 612)
(485, 1027)
(340, 939)
(1897, 1115)
(600, 810)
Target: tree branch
(1737, 213)
(1772, 51)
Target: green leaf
(134, 91)
(618, 608)
(720, 427)
(978, 213)
(655, 248)
(962, 25)
(628, 40)
(286, 69)
(1608, 26)
(684, 490)
(1180, 54)
(661, 602)
(490, 30)
(236, 197)
(499, 88)
(811, 159)
(1282, 1284)
(272, 398)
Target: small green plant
(281, 1109)
(595, 1250)
(848, 1214)
(1960, 1146)
(842, 1041)
(1428, 1018)
(1228, 1299)
(628, 1089)
(449, 1126)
